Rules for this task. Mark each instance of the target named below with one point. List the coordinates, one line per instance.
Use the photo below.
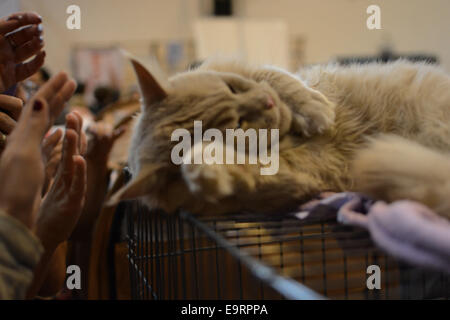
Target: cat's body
(325, 115)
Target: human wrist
(100, 161)
(49, 243)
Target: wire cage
(247, 256)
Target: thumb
(34, 121)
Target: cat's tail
(394, 168)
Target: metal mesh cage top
(263, 257)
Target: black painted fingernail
(37, 106)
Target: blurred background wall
(338, 27)
(7, 6)
(323, 29)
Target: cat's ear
(139, 186)
(152, 83)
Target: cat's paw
(314, 115)
(212, 181)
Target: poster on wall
(98, 68)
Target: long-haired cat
(332, 123)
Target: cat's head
(221, 100)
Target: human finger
(27, 69)
(57, 91)
(17, 20)
(73, 122)
(8, 26)
(347, 214)
(52, 86)
(59, 100)
(69, 150)
(82, 142)
(23, 35)
(28, 49)
(78, 187)
(11, 105)
(379, 207)
(51, 142)
(33, 123)
(7, 124)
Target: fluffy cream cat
(326, 116)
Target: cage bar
(248, 256)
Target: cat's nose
(270, 103)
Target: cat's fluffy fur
(331, 119)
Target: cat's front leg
(312, 112)
(243, 188)
(216, 181)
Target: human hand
(18, 44)
(103, 137)
(51, 153)
(21, 165)
(52, 147)
(64, 201)
(75, 121)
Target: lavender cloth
(405, 229)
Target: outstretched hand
(21, 165)
(103, 138)
(64, 201)
(20, 39)
(53, 144)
